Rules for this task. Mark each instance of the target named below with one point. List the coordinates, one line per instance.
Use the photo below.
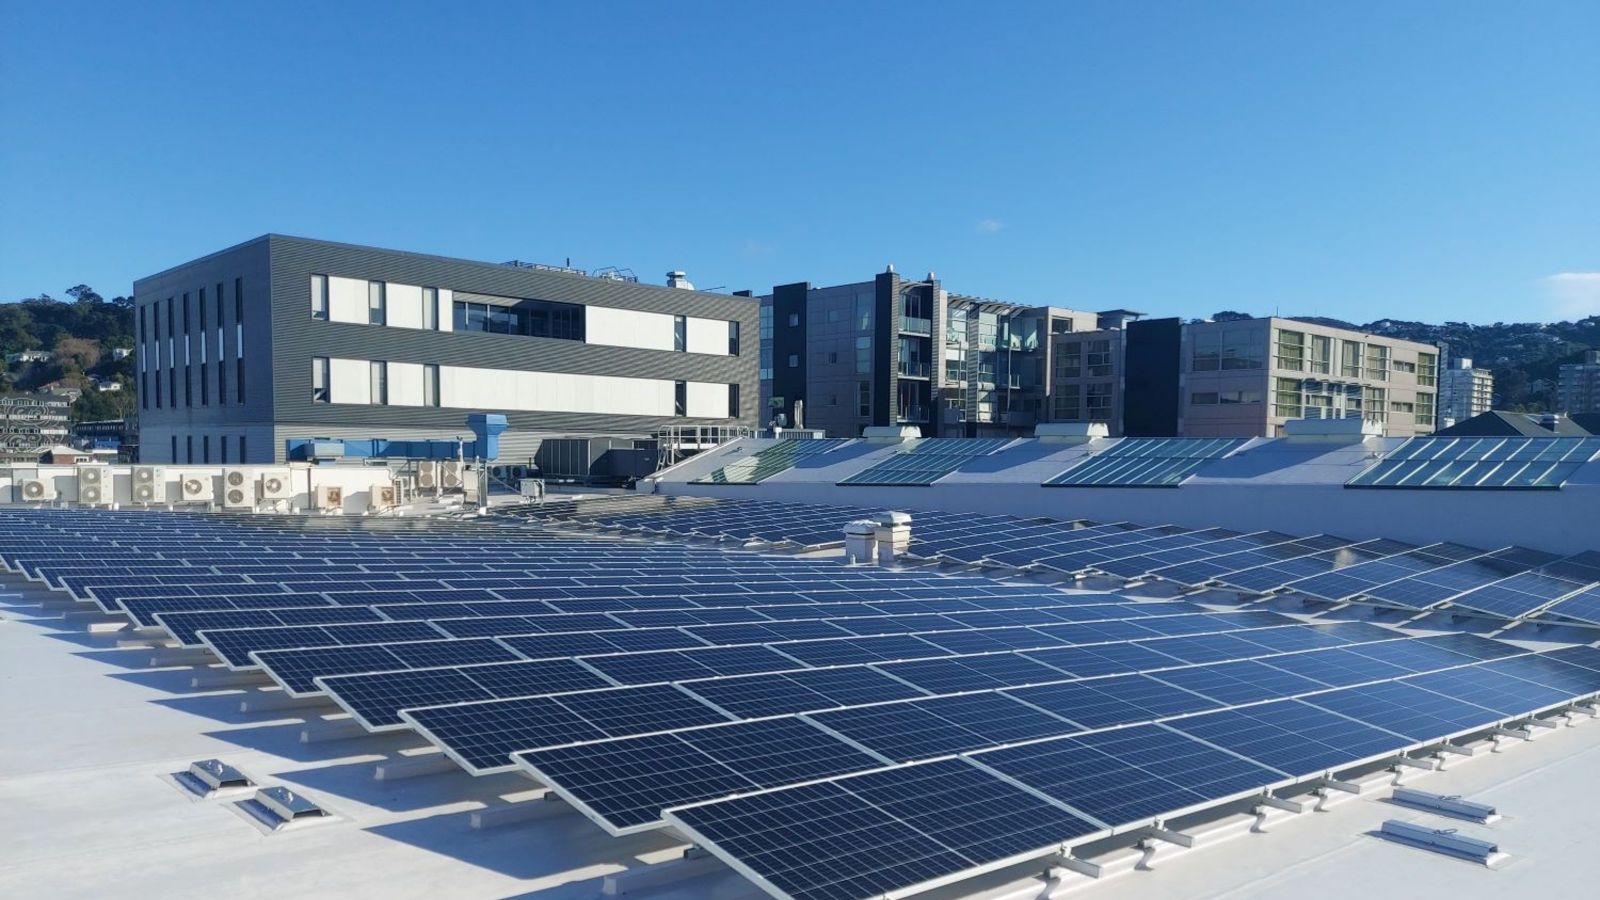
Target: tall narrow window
(319, 380)
(430, 308)
(377, 303)
(238, 321)
(238, 380)
(380, 383)
(223, 450)
(205, 449)
(733, 401)
(430, 385)
(222, 381)
(174, 449)
(319, 297)
(188, 448)
(155, 350)
(680, 333)
(243, 456)
(733, 338)
(144, 362)
(680, 399)
(205, 379)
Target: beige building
(1249, 377)
(1464, 392)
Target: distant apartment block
(284, 337)
(893, 351)
(1464, 392)
(1578, 391)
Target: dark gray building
(283, 337)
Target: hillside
(79, 334)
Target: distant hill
(79, 334)
(1526, 357)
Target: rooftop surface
(114, 715)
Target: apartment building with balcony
(1464, 392)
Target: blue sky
(1413, 159)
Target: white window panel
(707, 401)
(404, 305)
(629, 328)
(708, 336)
(347, 300)
(405, 384)
(350, 379)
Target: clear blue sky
(1429, 160)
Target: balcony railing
(914, 325)
(913, 369)
(913, 414)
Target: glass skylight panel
(925, 461)
(779, 457)
(1146, 462)
(1480, 463)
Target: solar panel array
(925, 461)
(835, 731)
(779, 457)
(1146, 462)
(1479, 463)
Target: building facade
(1578, 391)
(30, 424)
(898, 351)
(1464, 392)
(284, 337)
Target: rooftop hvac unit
(93, 494)
(237, 478)
(450, 475)
(428, 474)
(383, 496)
(198, 489)
(238, 497)
(275, 485)
(330, 497)
(36, 490)
(149, 484)
(91, 475)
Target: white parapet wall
(359, 486)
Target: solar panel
(1146, 462)
(298, 669)
(886, 831)
(1129, 775)
(925, 461)
(1292, 737)
(1465, 463)
(624, 784)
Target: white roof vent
(680, 280)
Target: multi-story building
(1579, 389)
(895, 351)
(30, 424)
(1464, 392)
(284, 337)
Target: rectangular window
(1377, 404)
(243, 457)
(1321, 354)
(377, 303)
(238, 319)
(794, 361)
(1425, 411)
(530, 318)
(1291, 351)
(172, 385)
(238, 380)
(144, 370)
(174, 449)
(1097, 358)
(1067, 401)
(864, 305)
(733, 401)
(864, 400)
(319, 297)
(863, 355)
(680, 333)
(380, 383)
(201, 305)
(794, 320)
(430, 308)
(1427, 370)
(1350, 359)
(1097, 402)
(1206, 352)
(430, 385)
(205, 385)
(205, 449)
(1286, 402)
(222, 456)
(680, 398)
(1203, 398)
(320, 392)
(188, 448)
(733, 338)
(222, 381)
(188, 385)
(1377, 362)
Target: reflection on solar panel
(1479, 463)
(1146, 462)
(926, 461)
(780, 457)
(890, 830)
(1528, 592)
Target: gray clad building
(283, 337)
